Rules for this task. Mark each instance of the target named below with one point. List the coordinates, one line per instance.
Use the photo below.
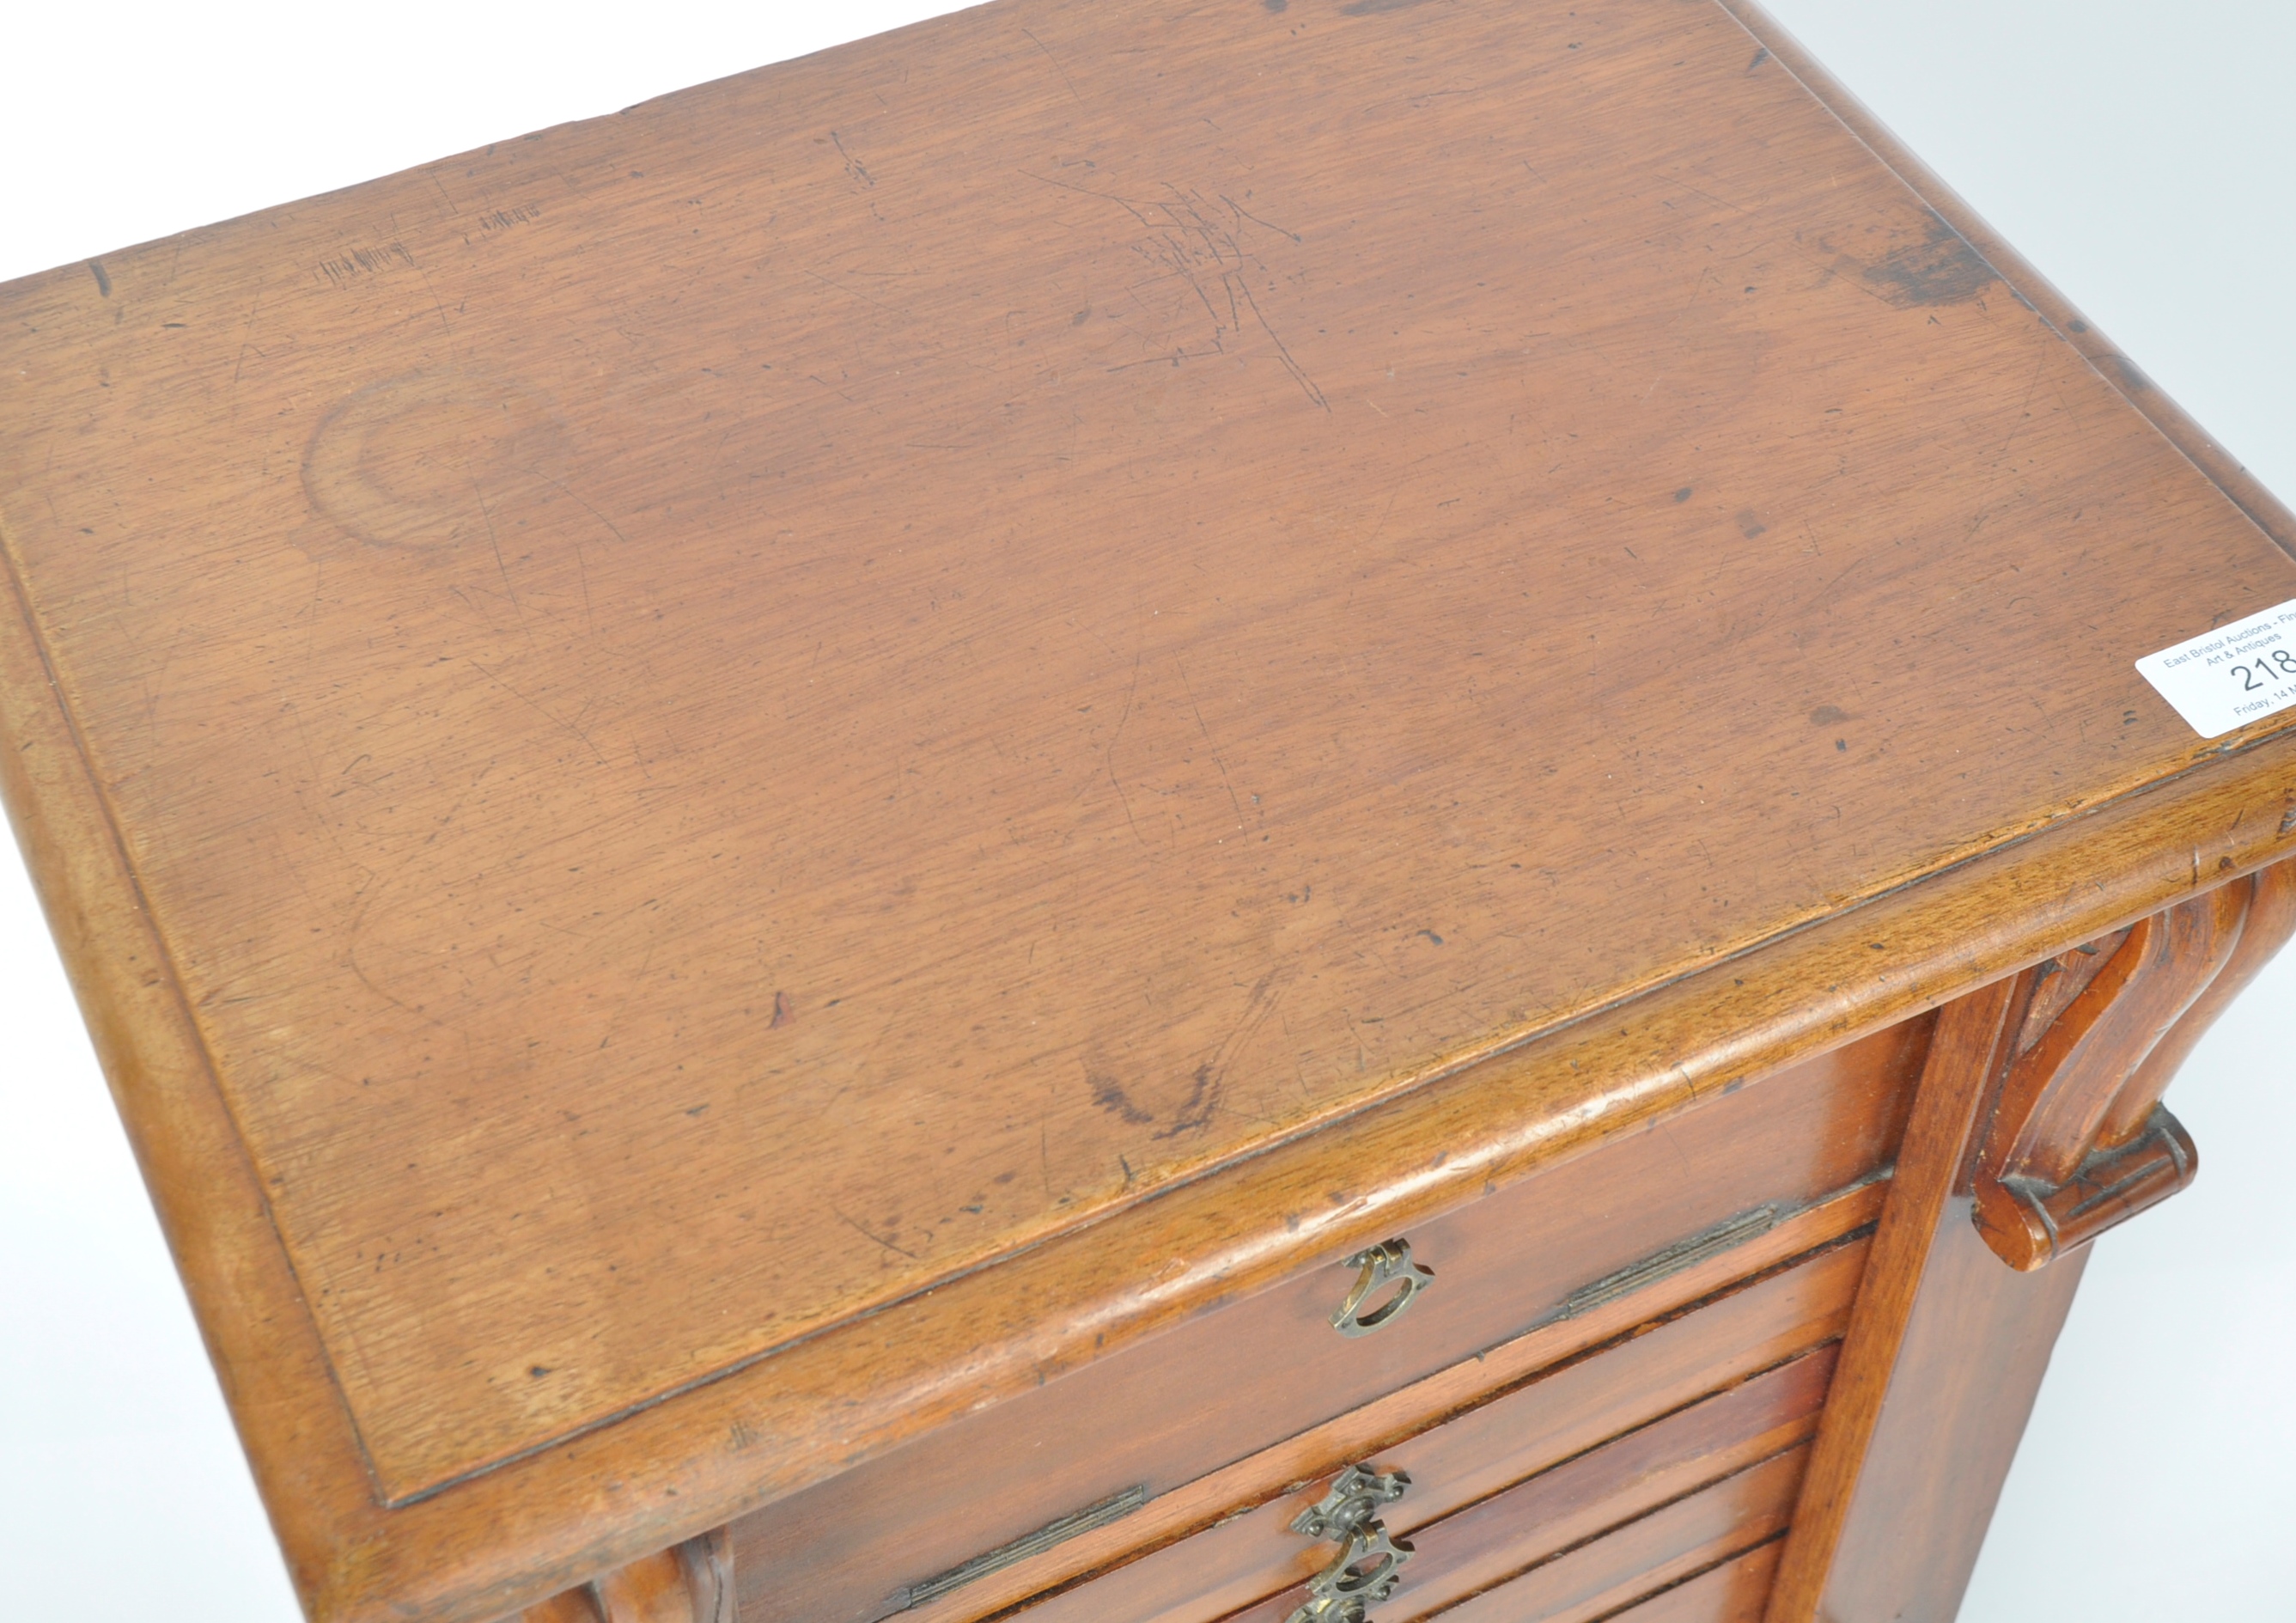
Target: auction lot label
(2231, 676)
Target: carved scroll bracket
(2079, 1140)
(692, 1583)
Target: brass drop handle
(1388, 1263)
(1370, 1561)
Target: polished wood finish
(2269, 925)
(1969, 1365)
(2264, 509)
(1240, 1380)
(638, 854)
(2077, 1138)
(2061, 1160)
(2065, 1091)
(1518, 1434)
(692, 1583)
(707, 1563)
(1970, 1046)
(1459, 1556)
(2010, 1156)
(733, 782)
(1735, 1592)
(1192, 1545)
(1598, 1579)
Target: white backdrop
(2141, 154)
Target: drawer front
(1517, 1479)
(1463, 1555)
(1596, 1580)
(990, 1497)
(1737, 1591)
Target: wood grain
(512, 1536)
(1240, 1380)
(1501, 1437)
(2060, 1093)
(2078, 1140)
(692, 1583)
(1178, 1545)
(1735, 1592)
(1614, 1484)
(649, 1591)
(2114, 365)
(1598, 1579)
(625, 982)
(1945, 1356)
(538, 866)
(2270, 922)
(1971, 1045)
(1969, 1365)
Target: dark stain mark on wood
(1828, 715)
(2126, 374)
(1760, 57)
(103, 281)
(782, 1012)
(1683, 494)
(1203, 1100)
(1371, 8)
(1196, 1111)
(1942, 268)
(1749, 525)
(1109, 1094)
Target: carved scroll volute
(2079, 1140)
(692, 1583)
(2271, 922)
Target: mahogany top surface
(730, 710)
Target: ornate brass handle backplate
(1388, 1263)
(1370, 1561)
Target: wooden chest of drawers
(1281, 810)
